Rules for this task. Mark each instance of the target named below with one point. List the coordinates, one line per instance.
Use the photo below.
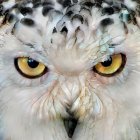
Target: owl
(69, 70)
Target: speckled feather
(69, 37)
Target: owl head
(69, 69)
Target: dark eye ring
(29, 67)
(114, 65)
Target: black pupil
(32, 63)
(107, 63)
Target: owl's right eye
(29, 67)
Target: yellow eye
(112, 66)
(30, 68)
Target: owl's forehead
(76, 27)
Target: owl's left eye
(112, 66)
(29, 67)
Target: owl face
(69, 70)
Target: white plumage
(69, 38)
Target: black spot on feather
(8, 18)
(46, 10)
(106, 22)
(26, 10)
(79, 17)
(11, 18)
(54, 30)
(69, 13)
(27, 21)
(37, 4)
(108, 11)
(64, 29)
(65, 3)
(1, 10)
(47, 3)
(89, 4)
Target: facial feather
(69, 38)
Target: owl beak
(70, 125)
